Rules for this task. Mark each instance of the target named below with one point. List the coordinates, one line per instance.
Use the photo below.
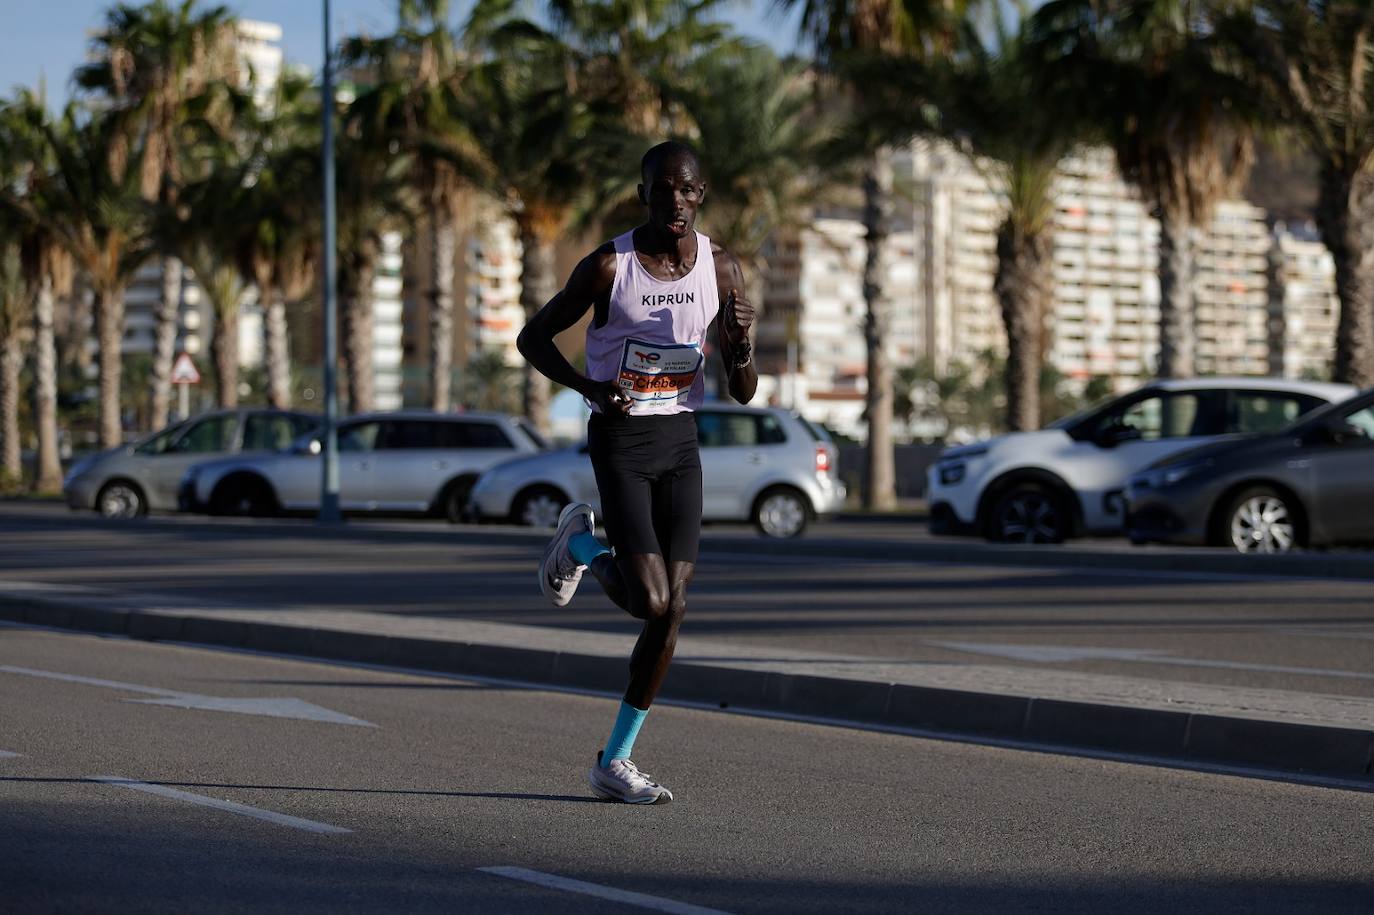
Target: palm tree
(1313, 63)
(374, 196)
(149, 61)
(416, 100)
(982, 93)
(838, 28)
(91, 203)
(45, 268)
(14, 299)
(765, 133)
(640, 54)
(1179, 124)
(561, 157)
(278, 249)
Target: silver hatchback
(128, 481)
(403, 462)
(768, 466)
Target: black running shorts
(648, 470)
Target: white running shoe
(559, 573)
(622, 781)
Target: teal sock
(585, 547)
(624, 733)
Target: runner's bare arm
(733, 322)
(589, 284)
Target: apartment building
(1105, 317)
(495, 315)
(1303, 308)
(1231, 291)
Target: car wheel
(781, 513)
(1029, 513)
(455, 501)
(121, 499)
(248, 497)
(539, 507)
(1262, 520)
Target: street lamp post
(329, 476)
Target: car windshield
(528, 428)
(1065, 422)
(818, 432)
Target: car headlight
(1170, 475)
(77, 469)
(952, 474)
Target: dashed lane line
(6, 754)
(271, 816)
(567, 884)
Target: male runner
(654, 292)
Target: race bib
(656, 373)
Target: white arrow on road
(272, 708)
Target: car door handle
(754, 457)
(364, 465)
(441, 465)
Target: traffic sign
(184, 372)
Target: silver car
(768, 466)
(402, 462)
(128, 481)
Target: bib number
(655, 373)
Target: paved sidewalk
(1273, 729)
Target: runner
(654, 292)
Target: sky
(49, 40)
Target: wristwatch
(747, 352)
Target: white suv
(1067, 479)
(768, 466)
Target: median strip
(1185, 723)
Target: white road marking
(269, 707)
(1051, 654)
(271, 816)
(6, 754)
(644, 901)
(85, 681)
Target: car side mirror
(1114, 435)
(1340, 432)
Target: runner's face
(673, 197)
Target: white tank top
(652, 340)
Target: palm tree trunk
(880, 492)
(277, 350)
(1345, 215)
(109, 323)
(1022, 285)
(165, 339)
(11, 359)
(224, 352)
(49, 478)
(356, 324)
(537, 282)
(1177, 324)
(443, 245)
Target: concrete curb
(1188, 737)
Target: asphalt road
(421, 783)
(1294, 634)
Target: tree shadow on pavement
(398, 792)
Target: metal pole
(329, 477)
